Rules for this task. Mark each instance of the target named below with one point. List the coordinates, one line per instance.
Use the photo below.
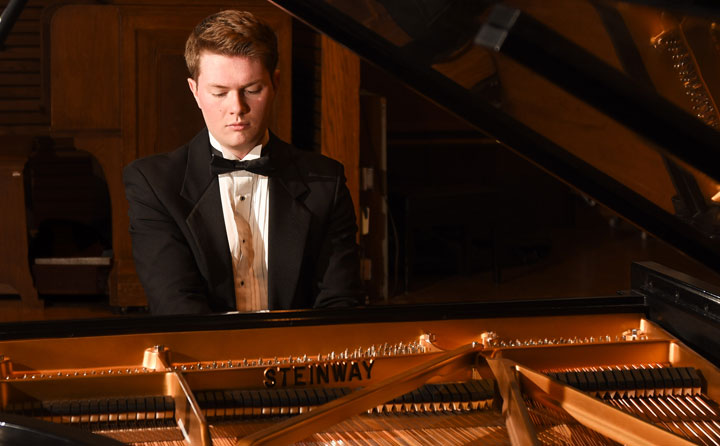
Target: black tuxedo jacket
(180, 244)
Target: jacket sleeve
(163, 260)
(338, 269)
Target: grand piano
(637, 368)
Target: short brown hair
(232, 33)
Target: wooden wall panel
(167, 115)
(85, 75)
(173, 95)
(340, 111)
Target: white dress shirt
(245, 198)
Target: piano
(638, 368)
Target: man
(210, 238)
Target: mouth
(238, 125)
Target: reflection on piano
(579, 371)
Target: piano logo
(316, 374)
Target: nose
(238, 105)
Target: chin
(234, 142)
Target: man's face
(235, 95)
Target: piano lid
(617, 99)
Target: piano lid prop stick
(304, 425)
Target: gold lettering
(284, 371)
(354, 371)
(269, 375)
(298, 375)
(318, 374)
(339, 371)
(368, 366)
(322, 373)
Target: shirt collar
(251, 155)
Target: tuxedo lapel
(289, 224)
(205, 220)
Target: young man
(237, 219)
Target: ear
(276, 79)
(194, 89)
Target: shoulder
(159, 172)
(309, 163)
(165, 165)
(160, 162)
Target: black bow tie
(259, 166)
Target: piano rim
(624, 302)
